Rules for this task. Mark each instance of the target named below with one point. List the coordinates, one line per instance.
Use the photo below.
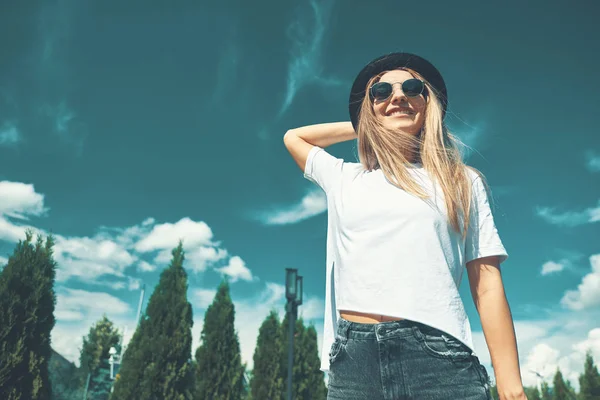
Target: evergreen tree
(560, 392)
(589, 381)
(93, 359)
(315, 378)
(546, 391)
(156, 363)
(266, 382)
(220, 372)
(307, 378)
(27, 302)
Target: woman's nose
(398, 95)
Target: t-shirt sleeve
(482, 238)
(323, 169)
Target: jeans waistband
(402, 328)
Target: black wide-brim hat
(390, 62)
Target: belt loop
(345, 328)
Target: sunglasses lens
(381, 90)
(412, 87)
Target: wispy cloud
(54, 28)
(569, 218)
(313, 203)
(593, 161)
(9, 134)
(227, 65)
(307, 34)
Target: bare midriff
(365, 318)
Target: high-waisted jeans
(402, 360)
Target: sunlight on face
(399, 111)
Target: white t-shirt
(391, 253)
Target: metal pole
(87, 383)
(292, 323)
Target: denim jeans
(402, 360)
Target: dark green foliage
(220, 372)
(560, 389)
(94, 358)
(307, 378)
(156, 363)
(267, 382)
(589, 381)
(27, 302)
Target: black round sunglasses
(381, 91)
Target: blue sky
(124, 127)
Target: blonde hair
(434, 147)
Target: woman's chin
(403, 124)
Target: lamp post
(112, 360)
(293, 294)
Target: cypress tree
(220, 372)
(94, 357)
(307, 378)
(27, 302)
(589, 381)
(156, 363)
(560, 392)
(266, 382)
(315, 378)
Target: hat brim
(390, 62)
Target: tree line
(157, 362)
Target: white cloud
(313, 203)
(146, 266)
(18, 201)
(9, 134)
(167, 236)
(593, 161)
(3, 260)
(552, 267)
(90, 258)
(587, 294)
(569, 218)
(200, 258)
(111, 251)
(236, 269)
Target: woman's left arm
(488, 294)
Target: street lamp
(112, 360)
(293, 294)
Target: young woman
(403, 225)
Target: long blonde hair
(434, 147)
